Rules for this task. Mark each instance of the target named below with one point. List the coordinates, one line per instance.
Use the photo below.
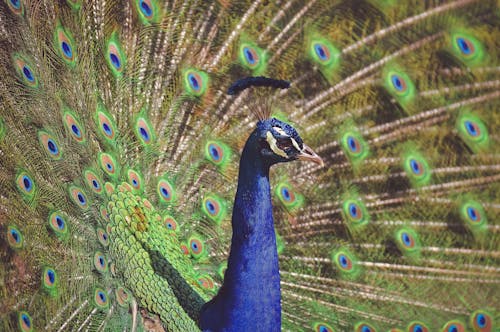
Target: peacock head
(280, 142)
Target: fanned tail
(119, 148)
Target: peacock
(233, 165)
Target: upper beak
(308, 154)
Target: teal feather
(119, 152)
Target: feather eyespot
(195, 82)
(322, 52)
(144, 131)
(14, 237)
(146, 8)
(93, 181)
(364, 327)
(215, 152)
(465, 46)
(115, 56)
(57, 222)
(49, 144)
(24, 321)
(472, 128)
(482, 321)
(165, 191)
(212, 206)
(16, 6)
(149, 11)
(473, 131)
(473, 215)
(322, 327)
(108, 164)
(398, 83)
(101, 299)
(184, 249)
(417, 169)
(206, 282)
(74, 127)
(288, 197)
(135, 180)
(100, 262)
(355, 213)
(25, 184)
(417, 327)
(170, 223)
(79, 197)
(353, 144)
(345, 262)
(64, 45)
(123, 296)
(408, 241)
(49, 279)
(102, 236)
(453, 326)
(287, 194)
(197, 247)
(251, 56)
(106, 124)
(24, 69)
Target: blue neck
(249, 299)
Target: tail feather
(119, 149)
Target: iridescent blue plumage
(250, 297)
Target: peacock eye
(284, 143)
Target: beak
(309, 155)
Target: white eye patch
(280, 131)
(296, 145)
(272, 144)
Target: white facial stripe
(272, 144)
(280, 131)
(296, 144)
